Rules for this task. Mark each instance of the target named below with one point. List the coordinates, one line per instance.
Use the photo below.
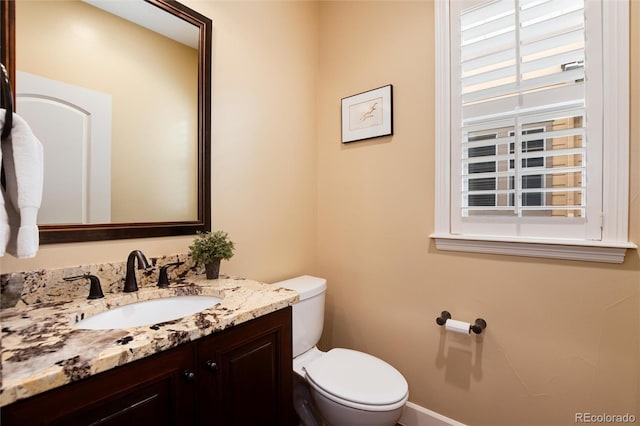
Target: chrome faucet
(130, 281)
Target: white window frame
(615, 159)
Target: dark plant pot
(213, 269)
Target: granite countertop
(42, 350)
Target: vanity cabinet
(239, 376)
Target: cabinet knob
(189, 376)
(212, 366)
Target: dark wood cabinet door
(249, 374)
(252, 379)
(153, 391)
(147, 405)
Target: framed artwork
(367, 115)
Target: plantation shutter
(526, 95)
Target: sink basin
(148, 312)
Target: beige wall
(562, 336)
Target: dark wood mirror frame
(112, 231)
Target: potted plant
(209, 248)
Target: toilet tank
(308, 313)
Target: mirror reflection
(115, 105)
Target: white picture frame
(367, 115)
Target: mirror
(141, 168)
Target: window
(532, 107)
(482, 183)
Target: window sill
(592, 251)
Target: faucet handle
(95, 291)
(163, 278)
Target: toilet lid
(358, 377)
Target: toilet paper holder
(477, 327)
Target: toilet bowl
(348, 387)
(355, 388)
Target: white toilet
(348, 387)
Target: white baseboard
(415, 415)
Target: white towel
(24, 171)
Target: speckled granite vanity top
(41, 349)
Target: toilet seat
(358, 380)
